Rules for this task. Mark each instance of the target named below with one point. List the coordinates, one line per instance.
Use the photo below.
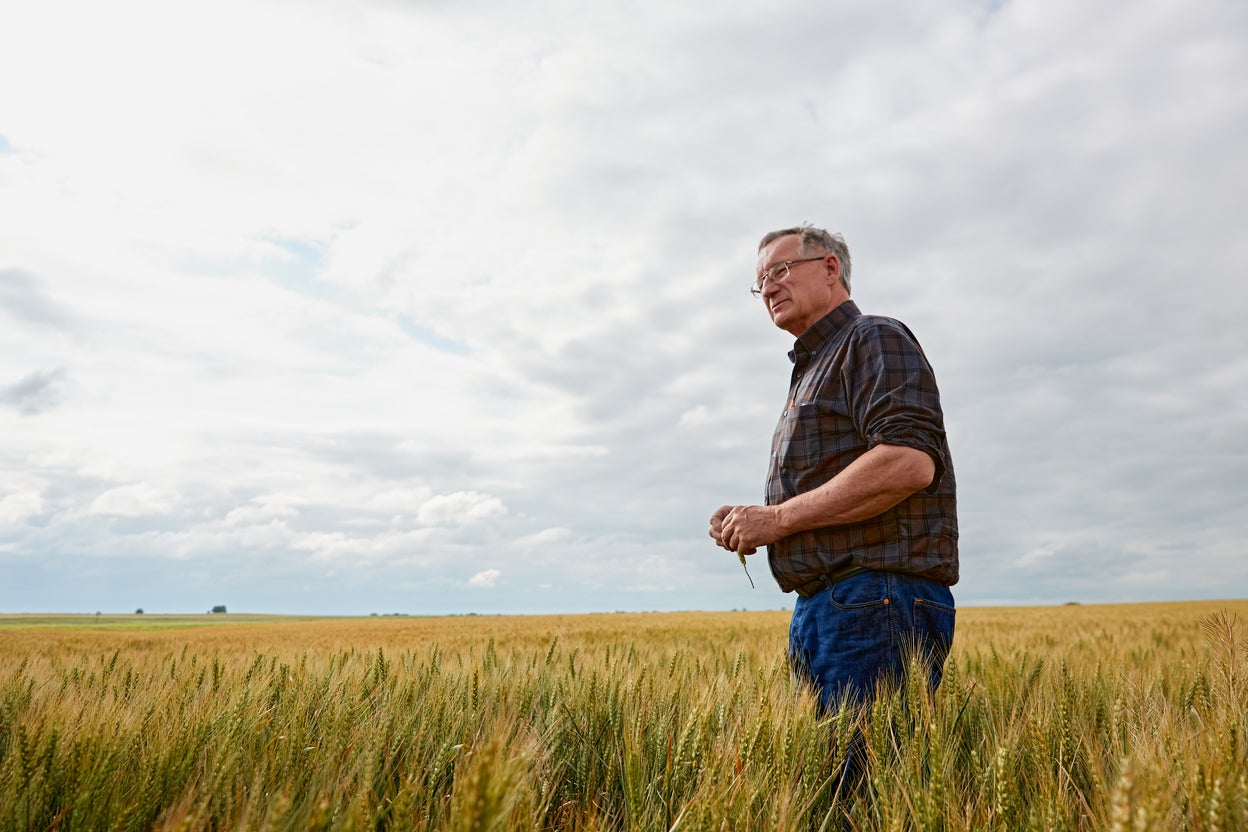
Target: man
(860, 517)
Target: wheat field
(1064, 718)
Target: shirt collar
(822, 330)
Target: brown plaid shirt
(861, 381)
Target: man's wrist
(782, 515)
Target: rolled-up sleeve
(892, 390)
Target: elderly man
(860, 517)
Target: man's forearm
(875, 482)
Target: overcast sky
(441, 307)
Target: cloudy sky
(441, 307)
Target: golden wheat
(1095, 717)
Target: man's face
(808, 293)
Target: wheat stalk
(741, 557)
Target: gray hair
(814, 241)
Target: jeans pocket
(865, 591)
(935, 621)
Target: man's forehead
(781, 248)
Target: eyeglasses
(779, 272)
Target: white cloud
(546, 537)
(696, 417)
(19, 506)
(460, 508)
(137, 500)
(259, 514)
(487, 578)
(403, 500)
(1038, 556)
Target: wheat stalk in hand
(741, 557)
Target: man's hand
(717, 527)
(742, 529)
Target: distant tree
(219, 608)
(139, 611)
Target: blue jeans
(863, 630)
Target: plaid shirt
(861, 381)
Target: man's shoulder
(880, 326)
(847, 328)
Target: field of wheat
(1077, 717)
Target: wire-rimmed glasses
(778, 272)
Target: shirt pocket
(800, 445)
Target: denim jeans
(862, 631)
